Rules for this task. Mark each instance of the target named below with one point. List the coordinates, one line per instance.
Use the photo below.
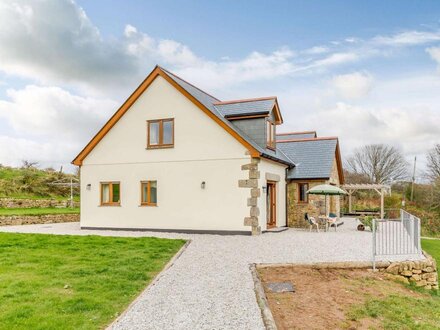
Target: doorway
(271, 204)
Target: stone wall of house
(423, 273)
(316, 203)
(296, 210)
(16, 220)
(34, 203)
(254, 193)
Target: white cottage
(176, 158)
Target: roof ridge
(246, 100)
(310, 139)
(296, 133)
(175, 75)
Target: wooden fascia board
(279, 118)
(339, 163)
(134, 96)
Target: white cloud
(434, 52)
(52, 111)
(353, 85)
(317, 50)
(408, 38)
(50, 124)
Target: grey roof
(208, 101)
(313, 158)
(248, 107)
(296, 136)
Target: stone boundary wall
(16, 203)
(423, 273)
(16, 220)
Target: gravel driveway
(210, 285)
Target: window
(149, 193)
(270, 135)
(160, 133)
(110, 193)
(302, 189)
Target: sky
(367, 72)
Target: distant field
(39, 211)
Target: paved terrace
(210, 285)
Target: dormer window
(270, 135)
(160, 133)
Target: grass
(74, 282)
(397, 311)
(36, 197)
(38, 211)
(432, 246)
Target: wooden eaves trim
(309, 139)
(135, 95)
(298, 133)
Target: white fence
(396, 237)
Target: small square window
(110, 193)
(160, 133)
(149, 193)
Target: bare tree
(379, 163)
(29, 164)
(433, 165)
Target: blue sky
(368, 72)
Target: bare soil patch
(323, 297)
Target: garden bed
(327, 298)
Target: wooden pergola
(381, 189)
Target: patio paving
(210, 285)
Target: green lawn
(419, 310)
(432, 246)
(74, 282)
(38, 211)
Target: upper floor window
(302, 192)
(160, 133)
(270, 135)
(110, 193)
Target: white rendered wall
(203, 151)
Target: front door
(271, 202)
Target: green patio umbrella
(326, 189)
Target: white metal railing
(393, 237)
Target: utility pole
(413, 178)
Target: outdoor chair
(312, 222)
(332, 220)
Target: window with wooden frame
(302, 192)
(110, 193)
(160, 133)
(149, 193)
(270, 134)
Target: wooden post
(381, 203)
(349, 201)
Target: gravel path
(210, 285)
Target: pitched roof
(313, 157)
(201, 99)
(212, 103)
(245, 108)
(296, 135)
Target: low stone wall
(422, 273)
(30, 203)
(16, 220)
